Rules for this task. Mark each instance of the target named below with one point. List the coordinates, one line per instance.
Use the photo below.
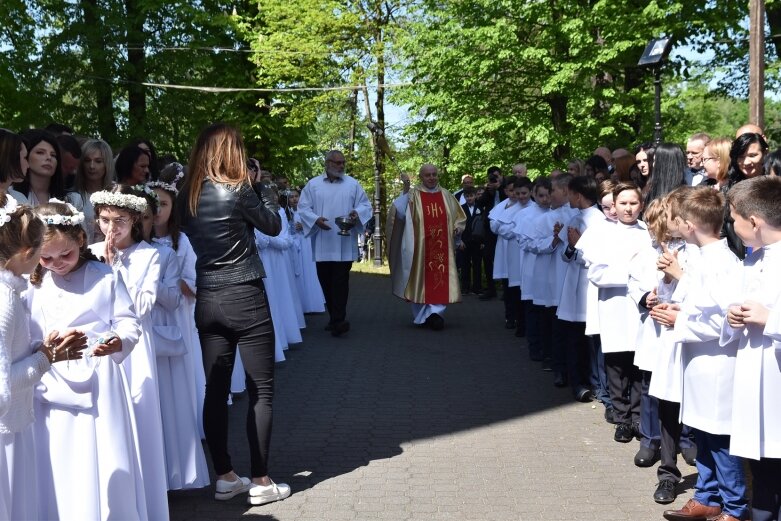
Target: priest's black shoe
(646, 456)
(665, 492)
(435, 322)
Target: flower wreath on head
(169, 187)
(10, 207)
(127, 201)
(67, 220)
(148, 191)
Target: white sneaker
(260, 495)
(229, 489)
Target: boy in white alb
(508, 223)
(500, 219)
(571, 313)
(525, 231)
(756, 323)
(550, 237)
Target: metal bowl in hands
(345, 224)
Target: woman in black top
(220, 210)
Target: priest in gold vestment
(424, 227)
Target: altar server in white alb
(525, 233)
(548, 242)
(754, 318)
(119, 214)
(84, 404)
(708, 367)
(325, 198)
(608, 259)
(571, 311)
(185, 461)
(22, 363)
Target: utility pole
(756, 63)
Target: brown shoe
(723, 517)
(692, 511)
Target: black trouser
(670, 429)
(545, 330)
(511, 295)
(335, 280)
(227, 317)
(624, 383)
(578, 353)
(488, 253)
(471, 259)
(766, 489)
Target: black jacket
(223, 231)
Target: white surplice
(708, 367)
(756, 401)
(588, 245)
(526, 234)
(550, 268)
(139, 268)
(643, 278)
(323, 198)
(574, 293)
(527, 213)
(185, 461)
(506, 223)
(608, 262)
(500, 258)
(88, 462)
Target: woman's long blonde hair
(218, 156)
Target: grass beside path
(369, 267)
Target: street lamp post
(654, 55)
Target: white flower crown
(169, 187)
(128, 201)
(67, 220)
(9, 208)
(149, 191)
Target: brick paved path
(400, 423)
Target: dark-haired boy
(756, 324)
(469, 254)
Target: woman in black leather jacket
(219, 210)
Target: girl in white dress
(185, 461)
(96, 172)
(312, 298)
(137, 263)
(166, 231)
(22, 363)
(87, 400)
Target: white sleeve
(124, 321)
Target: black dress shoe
(623, 433)
(560, 380)
(636, 430)
(339, 328)
(584, 395)
(435, 322)
(689, 455)
(646, 456)
(665, 492)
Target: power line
(252, 89)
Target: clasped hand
(66, 346)
(665, 313)
(668, 264)
(750, 312)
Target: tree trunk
(558, 106)
(96, 55)
(136, 93)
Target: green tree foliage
(499, 82)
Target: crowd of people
(646, 281)
(135, 295)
